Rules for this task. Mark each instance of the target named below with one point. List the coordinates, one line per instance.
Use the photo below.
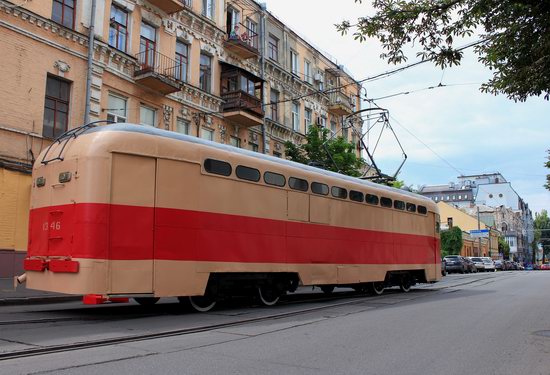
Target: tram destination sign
(484, 233)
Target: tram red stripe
(84, 231)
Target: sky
(446, 131)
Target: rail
(151, 61)
(235, 100)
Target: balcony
(158, 72)
(242, 108)
(170, 6)
(339, 103)
(242, 41)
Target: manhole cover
(542, 333)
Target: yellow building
(227, 71)
(450, 215)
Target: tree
(503, 247)
(542, 233)
(451, 241)
(547, 165)
(514, 41)
(320, 150)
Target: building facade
(226, 71)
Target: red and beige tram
(128, 210)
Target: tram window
(217, 167)
(356, 196)
(339, 192)
(411, 207)
(247, 173)
(372, 199)
(319, 188)
(385, 202)
(275, 179)
(422, 210)
(298, 184)
(399, 205)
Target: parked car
(455, 263)
(529, 267)
(508, 265)
(489, 264)
(470, 265)
(545, 266)
(443, 267)
(478, 262)
(499, 265)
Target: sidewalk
(23, 296)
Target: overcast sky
(471, 132)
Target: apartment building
(227, 71)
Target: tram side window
(274, 179)
(298, 184)
(386, 202)
(411, 207)
(217, 167)
(372, 199)
(319, 188)
(422, 210)
(399, 205)
(356, 196)
(338, 192)
(247, 173)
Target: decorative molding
(167, 115)
(223, 130)
(62, 67)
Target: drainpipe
(262, 69)
(91, 37)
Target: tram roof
(134, 128)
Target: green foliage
(514, 41)
(503, 247)
(320, 147)
(451, 241)
(542, 232)
(547, 165)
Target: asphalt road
(497, 323)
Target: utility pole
(478, 228)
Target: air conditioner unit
(318, 77)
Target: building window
(277, 154)
(248, 86)
(118, 28)
(307, 72)
(307, 118)
(252, 27)
(56, 107)
(233, 20)
(208, 8)
(63, 12)
(274, 98)
(273, 48)
(182, 125)
(345, 133)
(207, 134)
(296, 116)
(235, 141)
(116, 111)
(147, 115)
(294, 63)
(323, 121)
(253, 146)
(205, 77)
(182, 60)
(147, 45)
(333, 126)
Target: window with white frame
(207, 134)
(296, 116)
(147, 115)
(183, 125)
(116, 110)
(307, 71)
(307, 118)
(323, 121)
(252, 30)
(208, 8)
(294, 68)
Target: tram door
(131, 234)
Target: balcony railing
(158, 71)
(243, 108)
(242, 41)
(340, 103)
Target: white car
(489, 264)
(478, 262)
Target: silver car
(478, 262)
(489, 264)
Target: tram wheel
(327, 289)
(405, 284)
(268, 295)
(146, 301)
(200, 303)
(376, 288)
